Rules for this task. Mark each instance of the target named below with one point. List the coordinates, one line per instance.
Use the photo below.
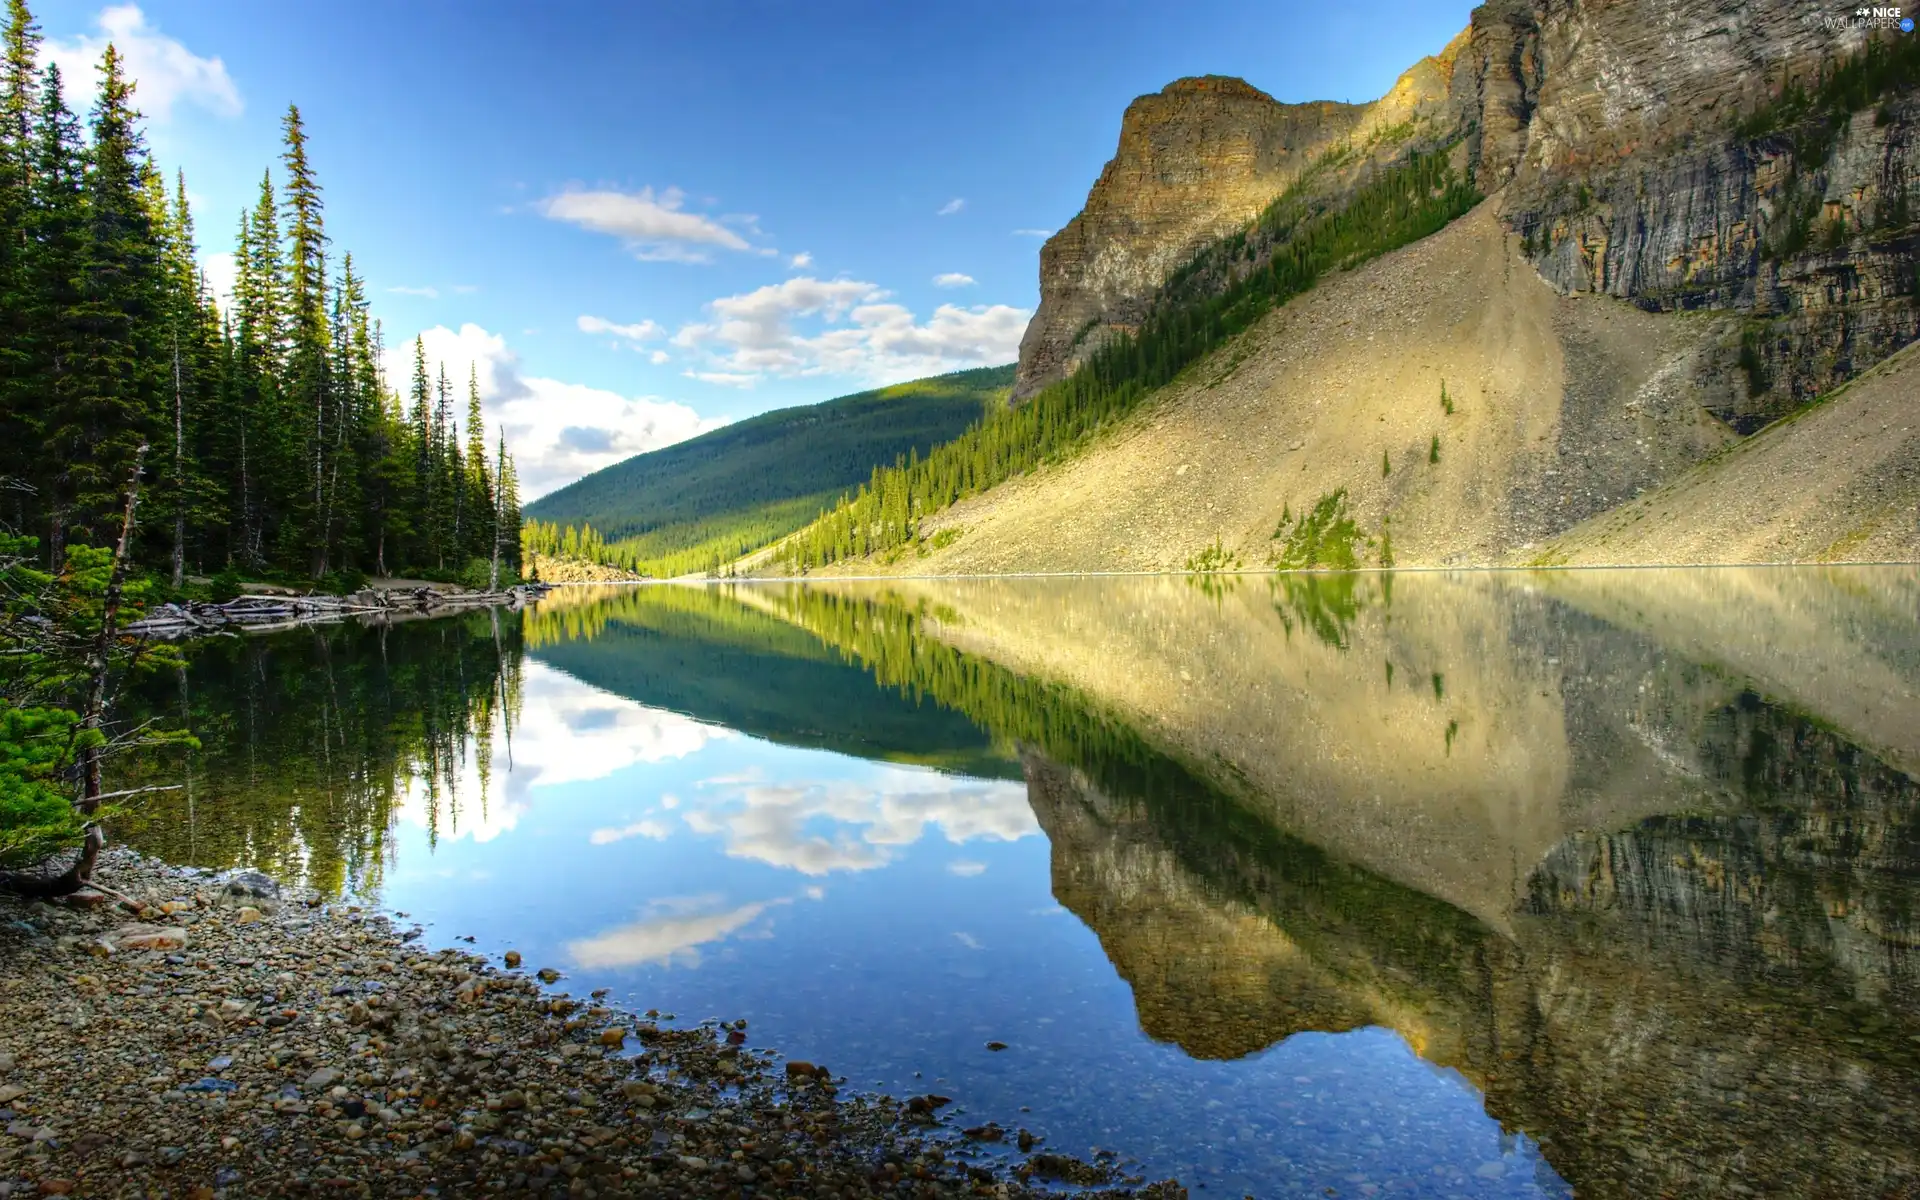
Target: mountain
(1586, 254)
(700, 502)
(700, 651)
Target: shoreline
(237, 1038)
(268, 612)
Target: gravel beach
(236, 1039)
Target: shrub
(1324, 537)
(36, 816)
(224, 586)
(1215, 557)
(1433, 451)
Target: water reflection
(1628, 859)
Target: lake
(1422, 884)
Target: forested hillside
(703, 502)
(272, 443)
(1300, 237)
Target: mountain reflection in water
(1634, 852)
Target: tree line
(1246, 276)
(277, 446)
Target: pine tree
(478, 483)
(52, 221)
(443, 493)
(309, 383)
(108, 406)
(276, 444)
(421, 422)
(20, 403)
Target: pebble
(147, 937)
(430, 1072)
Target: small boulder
(613, 1038)
(513, 960)
(248, 915)
(147, 937)
(323, 1078)
(253, 884)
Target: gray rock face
(1196, 160)
(1637, 182)
(1612, 131)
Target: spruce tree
(479, 487)
(108, 405)
(309, 382)
(421, 422)
(276, 444)
(20, 402)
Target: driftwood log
(264, 613)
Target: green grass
(710, 499)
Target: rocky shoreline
(264, 612)
(210, 1036)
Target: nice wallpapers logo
(1868, 18)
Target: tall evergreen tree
(108, 404)
(478, 484)
(276, 444)
(20, 405)
(310, 381)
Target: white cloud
(640, 331)
(800, 261)
(166, 71)
(951, 207)
(965, 868)
(671, 937)
(817, 827)
(953, 279)
(566, 732)
(646, 827)
(654, 228)
(968, 940)
(1039, 233)
(557, 431)
(723, 378)
(221, 271)
(658, 357)
(431, 293)
(755, 334)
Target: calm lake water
(1529, 884)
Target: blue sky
(638, 221)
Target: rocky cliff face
(1662, 166)
(1677, 157)
(1197, 160)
